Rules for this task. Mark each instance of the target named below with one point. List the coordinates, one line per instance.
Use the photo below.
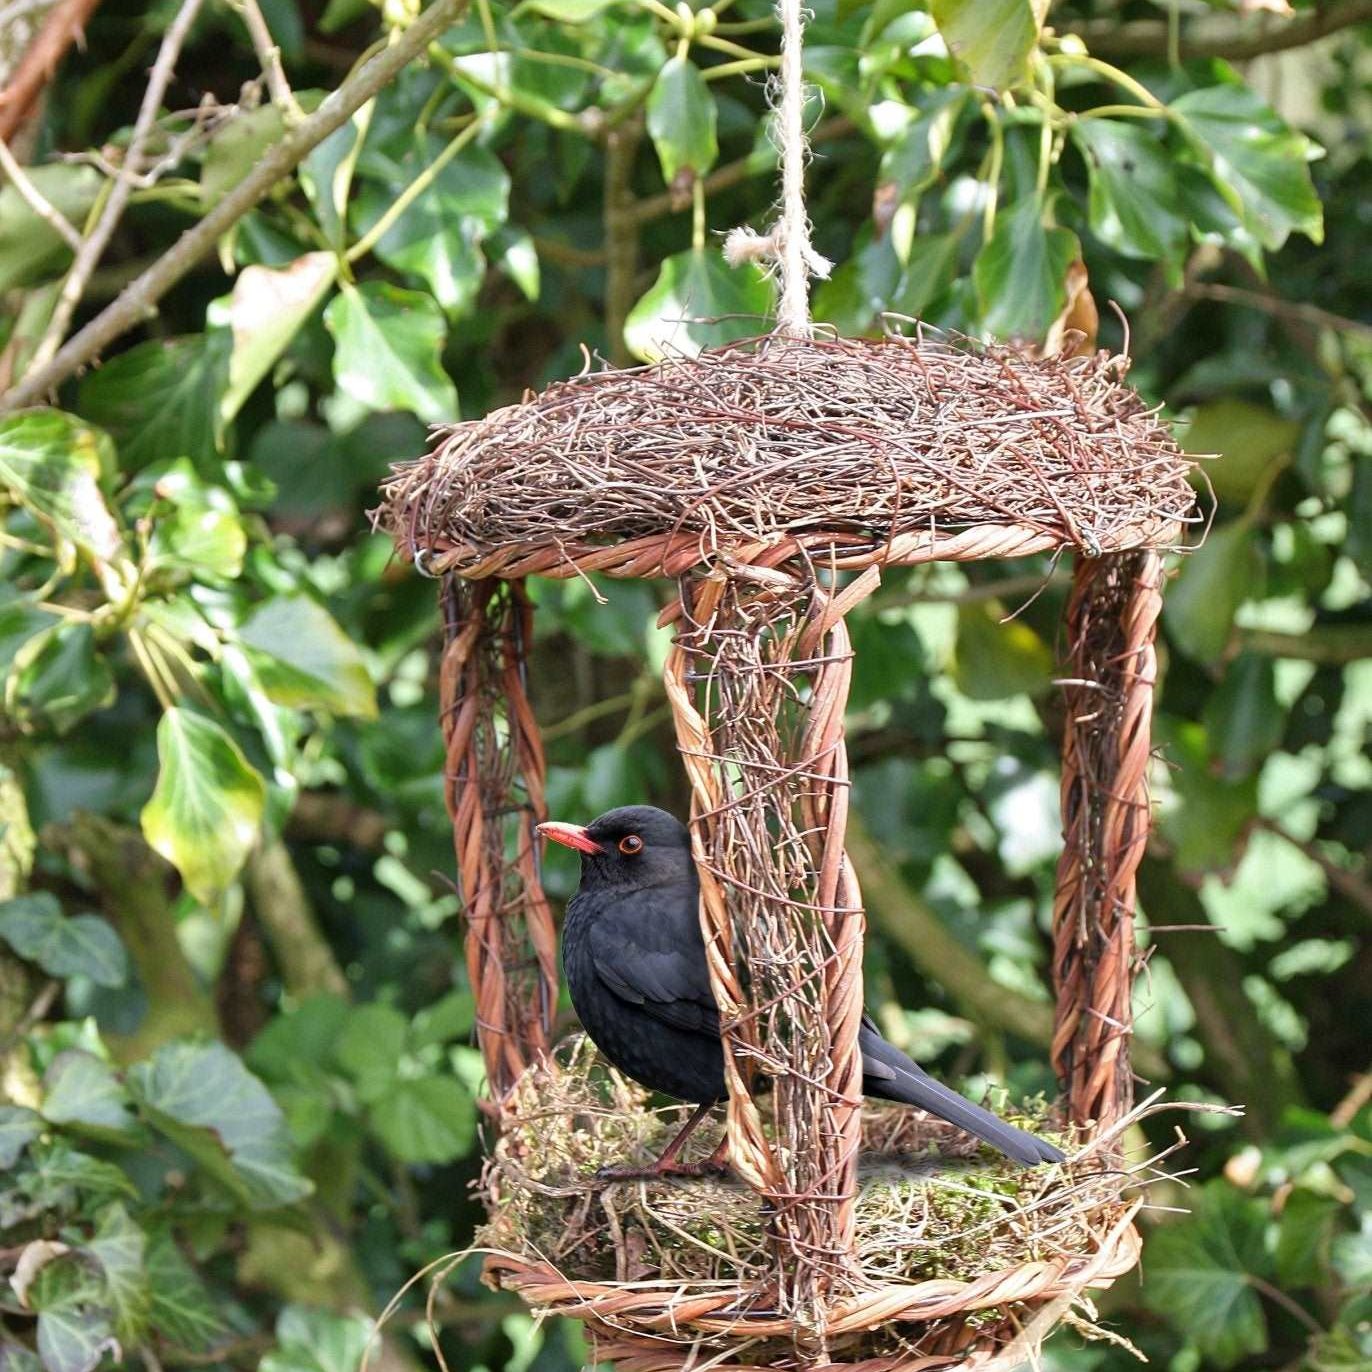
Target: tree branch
(269, 58)
(1276, 305)
(93, 245)
(137, 300)
(1237, 42)
(64, 23)
(288, 919)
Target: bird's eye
(630, 844)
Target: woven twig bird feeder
(773, 480)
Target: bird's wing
(644, 965)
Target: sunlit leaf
(204, 1099)
(681, 121)
(995, 660)
(53, 464)
(207, 806)
(991, 38)
(1243, 718)
(387, 348)
(1260, 163)
(1246, 439)
(75, 1326)
(317, 1341)
(265, 311)
(697, 301)
(64, 678)
(305, 660)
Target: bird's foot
(663, 1171)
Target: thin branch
(93, 246)
(137, 300)
(64, 24)
(1279, 307)
(269, 58)
(1237, 42)
(36, 200)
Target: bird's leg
(667, 1164)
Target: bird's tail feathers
(912, 1086)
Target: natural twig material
(94, 243)
(849, 450)
(62, 26)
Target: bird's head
(637, 846)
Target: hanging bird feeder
(773, 480)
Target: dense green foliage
(237, 1087)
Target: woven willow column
(758, 679)
(1111, 668)
(493, 787)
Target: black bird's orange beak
(570, 836)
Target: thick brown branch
(139, 298)
(1237, 42)
(65, 22)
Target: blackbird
(635, 963)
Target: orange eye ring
(630, 845)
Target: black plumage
(635, 964)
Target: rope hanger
(787, 246)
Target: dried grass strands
(898, 450)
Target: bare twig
(1237, 42)
(64, 24)
(1275, 305)
(269, 55)
(36, 200)
(93, 246)
(137, 300)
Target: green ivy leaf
(197, 529)
(565, 11)
(82, 1092)
(1243, 719)
(181, 1309)
(53, 465)
(75, 1328)
(425, 1119)
(1020, 274)
(1261, 165)
(1212, 816)
(205, 1100)
(20, 622)
(915, 157)
(1133, 198)
(995, 660)
(930, 271)
(34, 926)
(682, 121)
(305, 1036)
(992, 39)
(317, 1341)
(369, 1046)
(161, 399)
(14, 1357)
(206, 808)
(1307, 1224)
(304, 660)
(1199, 1271)
(1353, 1256)
(265, 311)
(63, 678)
(439, 237)
(1214, 580)
(58, 1170)
(29, 249)
(387, 348)
(698, 301)
(327, 174)
(19, 1127)
(119, 1246)
(235, 150)
(1246, 440)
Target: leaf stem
(412, 192)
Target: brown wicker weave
(756, 475)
